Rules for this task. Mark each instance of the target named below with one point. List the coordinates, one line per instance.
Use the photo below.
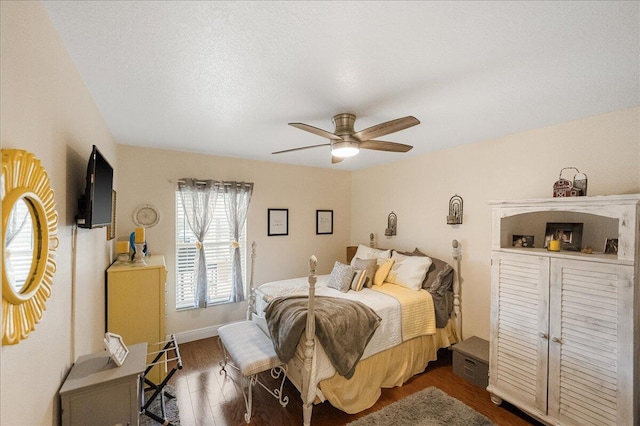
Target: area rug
(429, 407)
(171, 409)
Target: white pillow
(409, 271)
(365, 252)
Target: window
(218, 253)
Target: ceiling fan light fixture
(346, 142)
(344, 149)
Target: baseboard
(200, 333)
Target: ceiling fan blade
(386, 128)
(385, 146)
(315, 130)
(335, 159)
(301, 148)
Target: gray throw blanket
(343, 327)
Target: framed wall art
(324, 222)
(111, 228)
(277, 222)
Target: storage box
(471, 361)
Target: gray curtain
(198, 199)
(236, 202)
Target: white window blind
(218, 252)
(20, 250)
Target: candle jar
(554, 245)
(123, 258)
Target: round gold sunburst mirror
(29, 242)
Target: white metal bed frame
(308, 397)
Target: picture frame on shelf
(277, 222)
(569, 235)
(525, 241)
(324, 222)
(611, 246)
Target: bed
(412, 321)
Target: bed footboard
(308, 394)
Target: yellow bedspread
(418, 313)
(386, 369)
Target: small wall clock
(146, 216)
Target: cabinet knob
(543, 335)
(556, 340)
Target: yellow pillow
(382, 272)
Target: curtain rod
(203, 182)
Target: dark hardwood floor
(206, 397)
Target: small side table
(471, 361)
(97, 391)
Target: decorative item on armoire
(522, 241)
(575, 188)
(392, 225)
(455, 210)
(611, 246)
(563, 236)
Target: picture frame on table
(277, 222)
(569, 235)
(324, 222)
(525, 241)
(611, 246)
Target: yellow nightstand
(136, 305)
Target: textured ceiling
(225, 78)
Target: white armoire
(565, 325)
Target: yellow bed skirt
(386, 369)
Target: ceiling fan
(346, 142)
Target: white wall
(606, 148)
(143, 178)
(46, 109)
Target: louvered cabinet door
(519, 327)
(590, 352)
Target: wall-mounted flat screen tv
(96, 204)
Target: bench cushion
(248, 346)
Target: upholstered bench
(252, 353)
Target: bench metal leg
(248, 382)
(277, 392)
